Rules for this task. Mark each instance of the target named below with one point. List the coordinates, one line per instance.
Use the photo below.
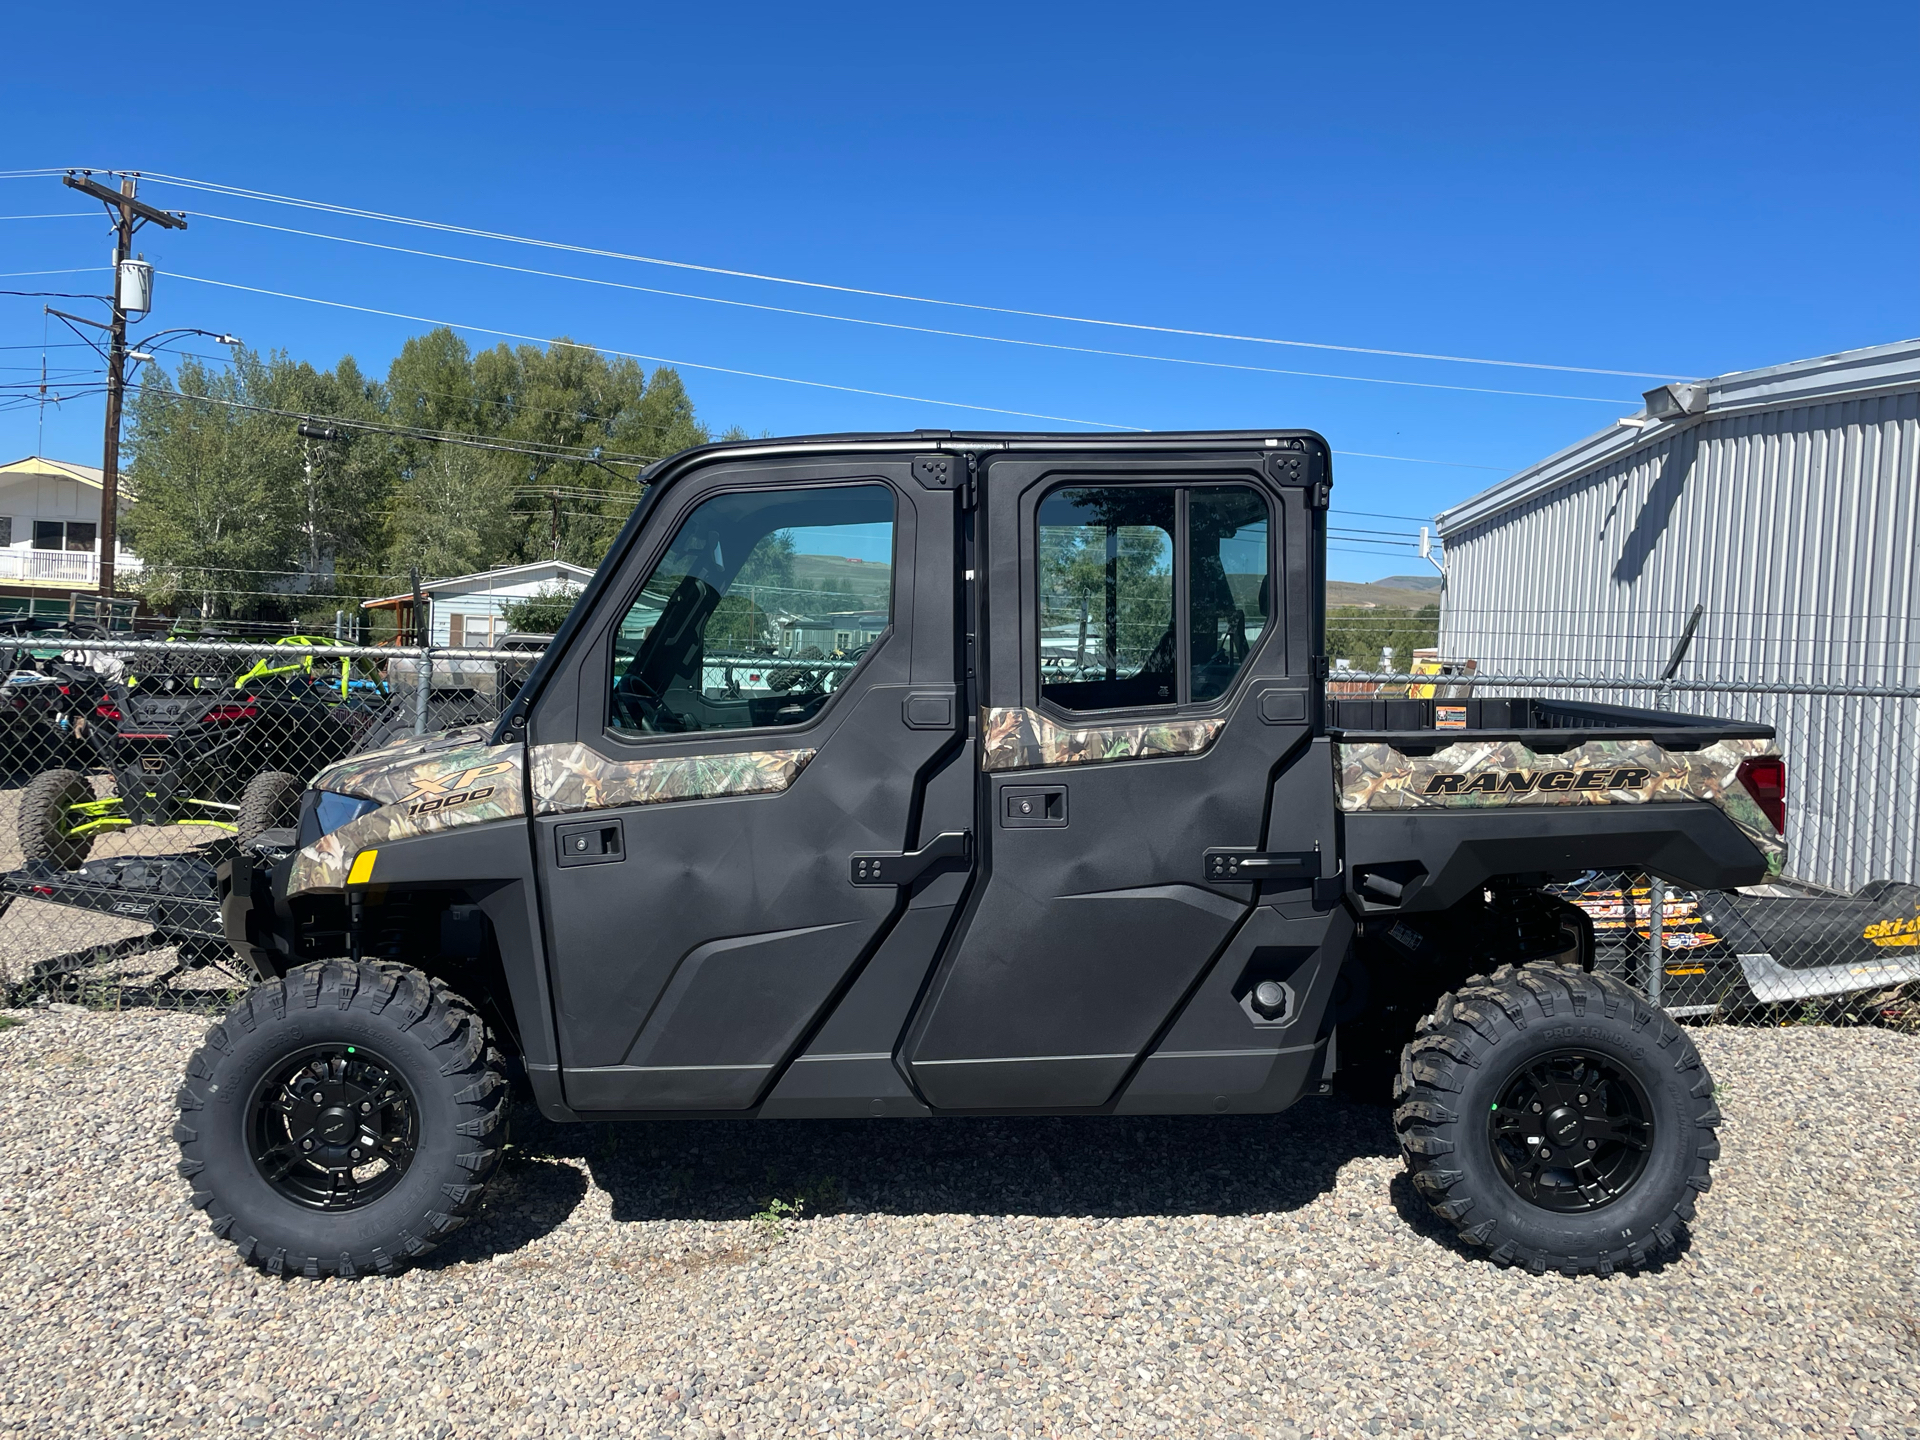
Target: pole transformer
(128, 215)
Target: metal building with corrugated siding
(1786, 503)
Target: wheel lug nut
(306, 1144)
(1545, 1153)
(355, 1153)
(1593, 1144)
(1536, 1107)
(366, 1107)
(1583, 1099)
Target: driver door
(754, 707)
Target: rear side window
(1106, 597)
(760, 608)
(1149, 595)
(1227, 584)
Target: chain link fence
(130, 767)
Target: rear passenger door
(1146, 673)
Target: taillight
(106, 711)
(1765, 777)
(227, 714)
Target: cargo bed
(1563, 780)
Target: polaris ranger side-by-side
(943, 774)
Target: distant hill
(1388, 594)
(1411, 582)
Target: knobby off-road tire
(1610, 1093)
(302, 1074)
(45, 818)
(271, 801)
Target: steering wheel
(642, 705)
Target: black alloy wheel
(333, 1127)
(342, 1119)
(1571, 1131)
(1557, 1121)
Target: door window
(1117, 566)
(762, 605)
(1106, 597)
(1228, 593)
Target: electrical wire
(542, 451)
(357, 212)
(896, 325)
(72, 270)
(655, 359)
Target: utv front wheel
(342, 1120)
(1557, 1120)
(47, 817)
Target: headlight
(330, 811)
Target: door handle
(590, 842)
(904, 868)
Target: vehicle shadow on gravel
(529, 1197)
(1049, 1166)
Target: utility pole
(129, 215)
(554, 496)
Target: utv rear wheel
(47, 818)
(271, 801)
(1557, 1120)
(342, 1120)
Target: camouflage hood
(385, 774)
(435, 783)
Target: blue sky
(1673, 191)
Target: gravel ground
(1197, 1277)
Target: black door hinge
(940, 472)
(1322, 667)
(1261, 867)
(904, 869)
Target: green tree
(571, 396)
(1075, 577)
(451, 509)
(233, 513)
(236, 516)
(543, 612)
(1357, 634)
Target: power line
(56, 215)
(896, 325)
(357, 212)
(71, 270)
(655, 359)
(538, 450)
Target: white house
(50, 527)
(470, 610)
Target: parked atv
(187, 748)
(42, 694)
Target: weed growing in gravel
(818, 1196)
(770, 1222)
(7, 1022)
